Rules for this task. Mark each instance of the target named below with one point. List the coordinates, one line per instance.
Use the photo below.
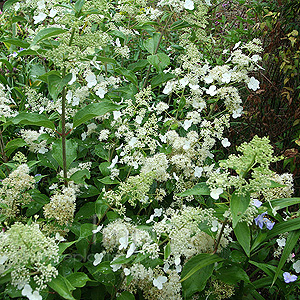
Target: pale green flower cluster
(14, 191)
(28, 254)
(5, 104)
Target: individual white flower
(178, 268)
(215, 193)
(3, 259)
(101, 92)
(97, 229)
(132, 142)
(157, 212)
(126, 271)
(59, 238)
(27, 290)
(236, 45)
(194, 87)
(215, 226)
(281, 242)
(118, 44)
(208, 79)
(130, 250)
(73, 79)
(253, 84)
(255, 58)
(296, 266)
(35, 296)
(225, 142)
(69, 96)
(123, 242)
(175, 176)
(187, 124)
(212, 90)
(189, 4)
(159, 281)
(184, 81)
(39, 18)
(226, 77)
(177, 260)
(115, 267)
(198, 172)
(117, 114)
(169, 87)
(237, 113)
(83, 136)
(139, 120)
(91, 80)
(98, 258)
(52, 13)
(166, 267)
(75, 101)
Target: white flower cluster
(5, 104)
(31, 137)
(61, 207)
(13, 193)
(27, 253)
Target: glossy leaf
(13, 145)
(32, 118)
(71, 152)
(199, 189)
(232, 274)
(78, 279)
(62, 286)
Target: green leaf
(179, 25)
(151, 43)
(103, 167)
(198, 262)
(102, 152)
(125, 296)
(238, 205)
(139, 65)
(160, 61)
(167, 251)
(47, 160)
(161, 78)
(106, 60)
(79, 176)
(86, 211)
(46, 33)
(128, 75)
(62, 286)
(7, 63)
(197, 282)
(232, 274)
(268, 269)
(88, 191)
(56, 84)
(71, 152)
(242, 233)
(12, 145)
(86, 230)
(108, 180)
(282, 203)
(291, 241)
(199, 189)
(94, 110)
(32, 118)
(78, 6)
(16, 42)
(7, 4)
(78, 279)
(63, 246)
(101, 207)
(286, 226)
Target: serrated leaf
(32, 118)
(46, 33)
(238, 205)
(93, 110)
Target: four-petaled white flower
(39, 18)
(159, 281)
(189, 4)
(225, 142)
(208, 2)
(97, 229)
(184, 81)
(132, 142)
(194, 87)
(52, 13)
(212, 90)
(101, 92)
(208, 79)
(296, 266)
(91, 80)
(98, 258)
(59, 238)
(226, 77)
(187, 124)
(215, 193)
(124, 241)
(27, 290)
(215, 226)
(255, 58)
(126, 271)
(253, 84)
(281, 242)
(198, 171)
(237, 113)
